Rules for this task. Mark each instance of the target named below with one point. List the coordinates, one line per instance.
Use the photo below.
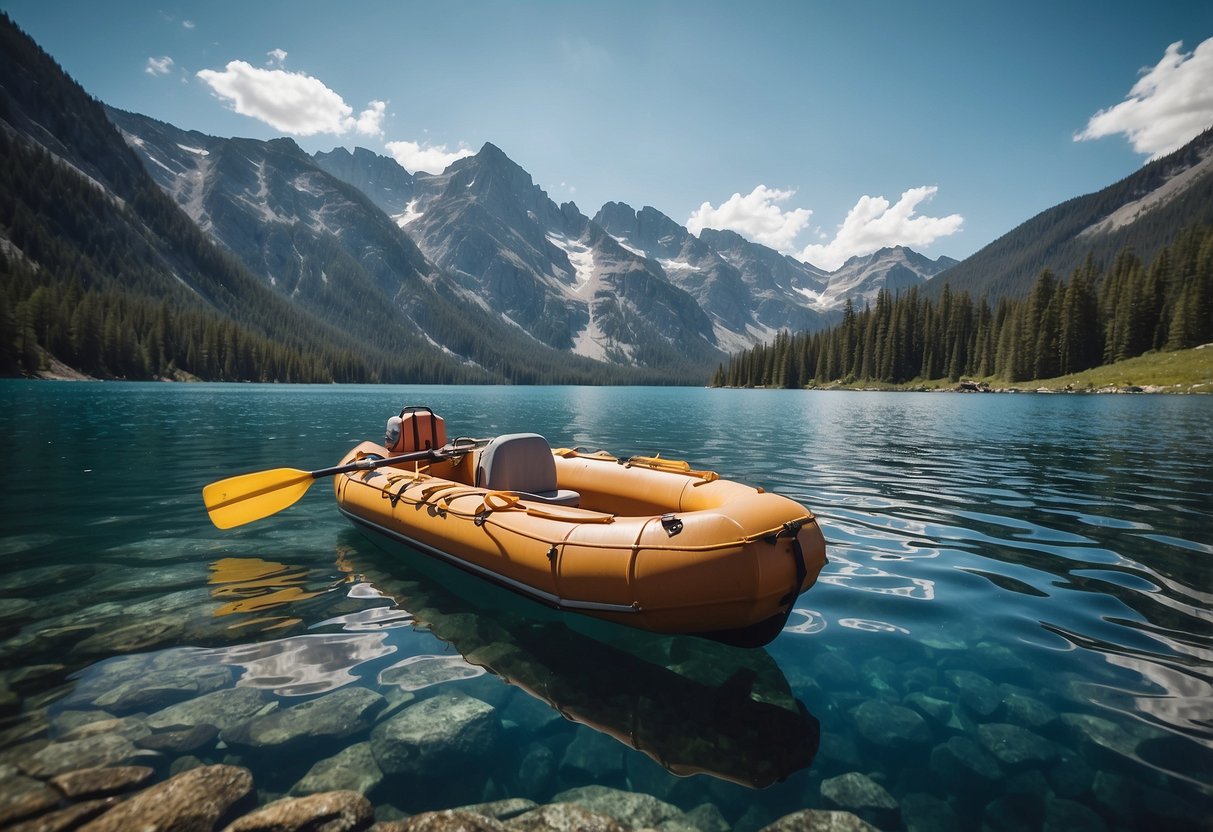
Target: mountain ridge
(1060, 238)
(475, 272)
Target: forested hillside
(89, 279)
(1063, 326)
(1142, 212)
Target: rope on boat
(445, 504)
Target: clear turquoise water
(1043, 562)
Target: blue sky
(820, 128)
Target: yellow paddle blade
(248, 497)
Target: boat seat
(522, 463)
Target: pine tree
(1080, 342)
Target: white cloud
(290, 101)
(756, 215)
(873, 224)
(277, 57)
(159, 66)
(1170, 104)
(188, 24)
(429, 158)
(370, 120)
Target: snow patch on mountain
(589, 341)
(623, 241)
(732, 341)
(819, 301)
(410, 214)
(677, 266)
(581, 257)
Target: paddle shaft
(369, 464)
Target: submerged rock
(998, 659)
(510, 807)
(536, 771)
(816, 820)
(977, 692)
(1027, 711)
(592, 755)
(224, 709)
(927, 813)
(634, 809)
(22, 796)
(448, 820)
(160, 689)
(1103, 735)
(334, 716)
(1014, 746)
(939, 711)
(707, 818)
(890, 726)
(71, 817)
(352, 769)
(135, 633)
(436, 736)
(962, 764)
(832, 671)
(340, 811)
(838, 749)
(132, 727)
(563, 817)
(531, 713)
(92, 752)
(190, 802)
(101, 782)
(863, 796)
(33, 677)
(183, 740)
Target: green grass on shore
(1183, 371)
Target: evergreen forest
(1097, 316)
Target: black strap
(792, 530)
(420, 408)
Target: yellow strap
(431, 490)
(673, 466)
(500, 501)
(573, 452)
(655, 462)
(444, 502)
(570, 518)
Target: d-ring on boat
(645, 542)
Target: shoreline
(1182, 372)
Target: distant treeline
(1062, 327)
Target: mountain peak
(492, 154)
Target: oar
(248, 497)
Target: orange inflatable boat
(645, 542)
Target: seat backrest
(415, 429)
(517, 462)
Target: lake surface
(1014, 627)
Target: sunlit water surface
(1014, 627)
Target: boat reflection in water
(692, 705)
